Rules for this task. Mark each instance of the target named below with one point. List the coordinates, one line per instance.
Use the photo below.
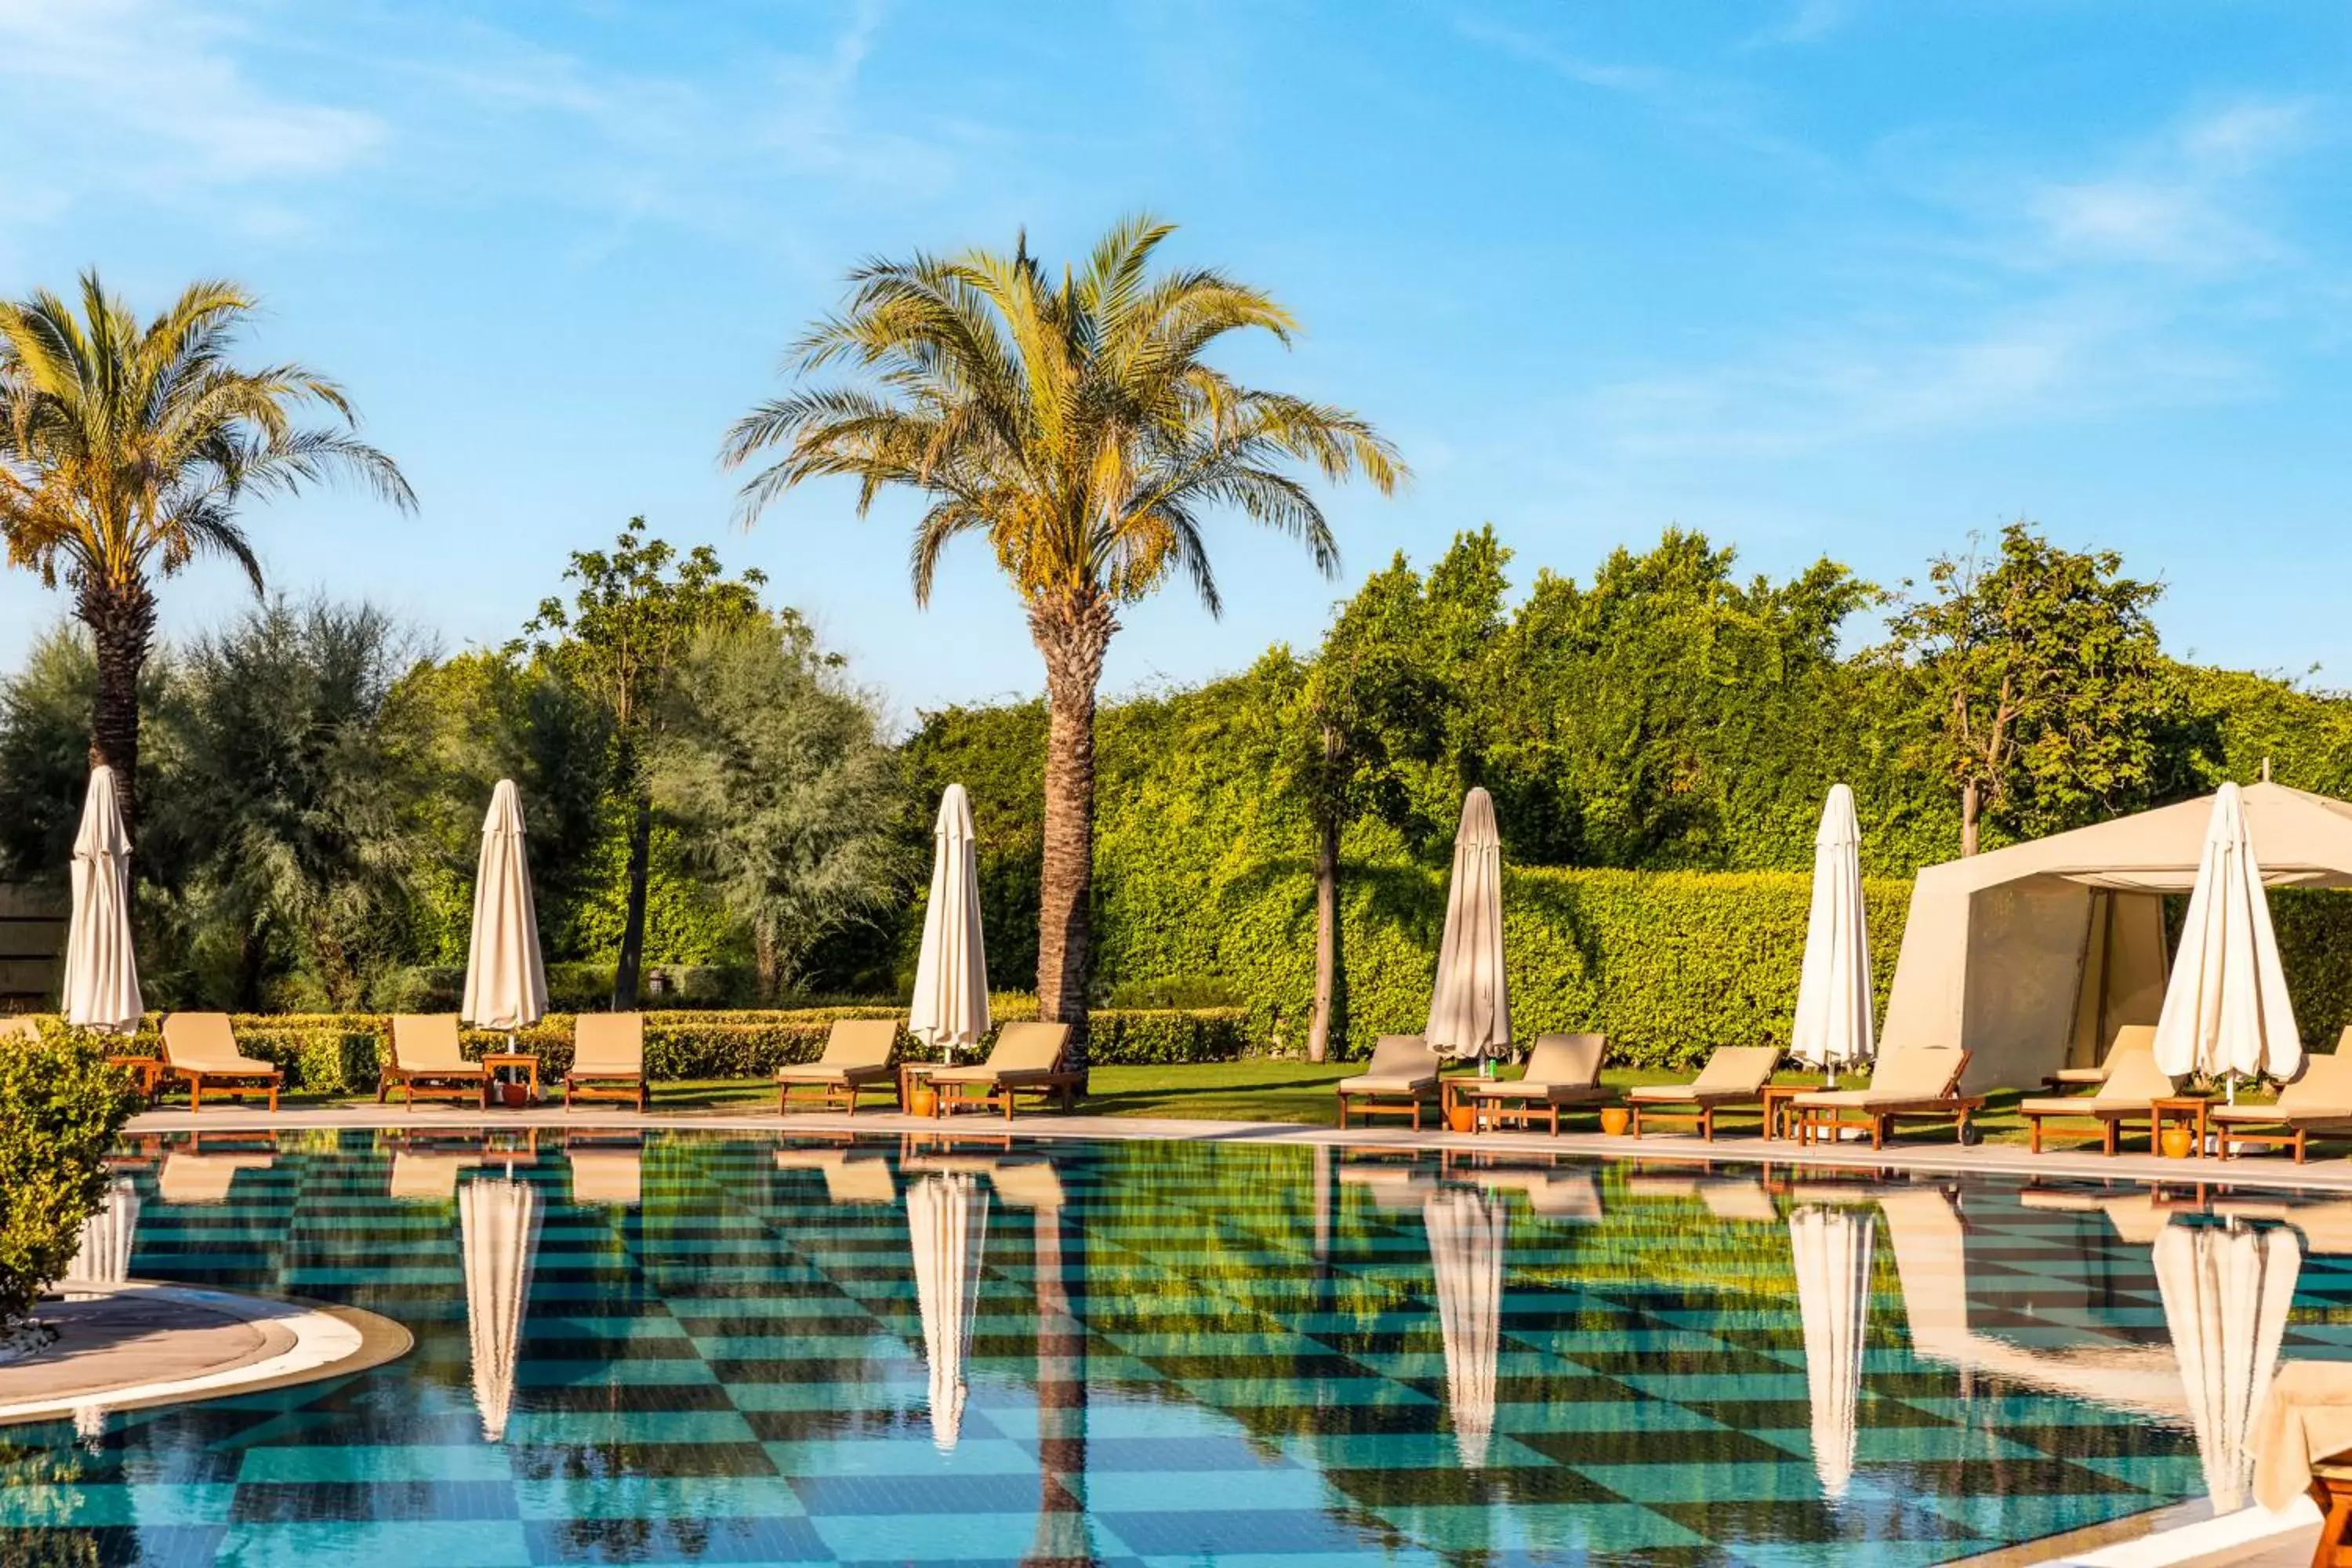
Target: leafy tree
(125, 451)
(60, 1108)
(633, 615)
(1080, 428)
(2042, 691)
(45, 755)
(288, 801)
(790, 799)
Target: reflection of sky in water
(723, 1349)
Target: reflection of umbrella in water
(1465, 1253)
(498, 1225)
(947, 1224)
(103, 1260)
(1831, 1248)
(2226, 1293)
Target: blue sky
(1812, 276)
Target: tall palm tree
(125, 453)
(1080, 428)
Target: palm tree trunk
(122, 621)
(1327, 936)
(1073, 637)
(633, 916)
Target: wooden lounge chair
(856, 1056)
(2320, 1101)
(1563, 1071)
(1402, 1077)
(2091, 1078)
(1734, 1077)
(2133, 1084)
(427, 1061)
(608, 1059)
(1028, 1058)
(200, 1050)
(1918, 1081)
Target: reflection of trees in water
(1063, 1539)
(39, 1534)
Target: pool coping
(2260, 1171)
(319, 1340)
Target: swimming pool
(728, 1348)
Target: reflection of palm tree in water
(1062, 1539)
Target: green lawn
(1265, 1089)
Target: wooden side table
(146, 1073)
(515, 1061)
(2189, 1111)
(1779, 1116)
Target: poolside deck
(2271, 1170)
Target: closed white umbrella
(2226, 1009)
(1831, 1250)
(950, 1002)
(103, 1260)
(2226, 1293)
(101, 983)
(947, 1227)
(498, 1228)
(1467, 1231)
(1833, 993)
(1470, 1011)
(506, 979)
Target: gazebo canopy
(2033, 956)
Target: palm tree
(124, 452)
(1080, 428)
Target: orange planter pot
(2177, 1140)
(927, 1101)
(1615, 1120)
(1462, 1119)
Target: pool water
(710, 1348)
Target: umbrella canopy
(101, 988)
(2226, 1011)
(2226, 1293)
(1470, 1012)
(1465, 1253)
(103, 1260)
(505, 980)
(1831, 1248)
(498, 1228)
(950, 1002)
(1833, 999)
(947, 1224)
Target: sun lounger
(426, 1059)
(191, 1178)
(850, 1177)
(427, 1176)
(2091, 1077)
(2133, 1084)
(1400, 1077)
(608, 1059)
(606, 1172)
(200, 1050)
(1918, 1081)
(856, 1057)
(1734, 1077)
(2318, 1102)
(1027, 1059)
(1563, 1071)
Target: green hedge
(60, 1108)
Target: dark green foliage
(60, 1108)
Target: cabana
(2031, 957)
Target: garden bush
(60, 1108)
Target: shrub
(60, 1108)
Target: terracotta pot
(2176, 1140)
(1615, 1120)
(513, 1096)
(1462, 1119)
(927, 1100)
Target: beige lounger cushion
(1564, 1069)
(608, 1045)
(607, 1175)
(204, 1042)
(2320, 1096)
(1910, 1077)
(1733, 1072)
(2133, 1081)
(857, 1050)
(425, 1044)
(1024, 1053)
(203, 1178)
(1401, 1063)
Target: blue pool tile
(374, 1462)
(366, 1545)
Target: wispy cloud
(1807, 22)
